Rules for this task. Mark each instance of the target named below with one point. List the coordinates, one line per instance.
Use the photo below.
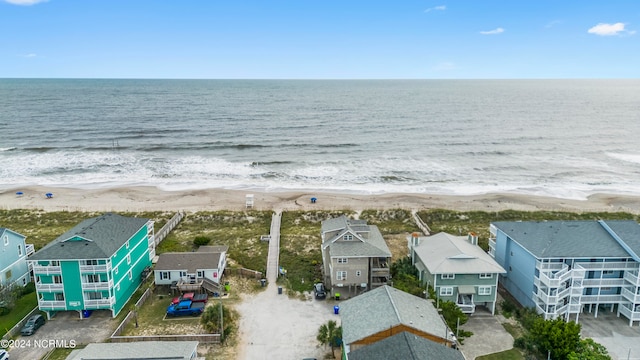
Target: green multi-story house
(457, 269)
(95, 265)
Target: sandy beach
(137, 199)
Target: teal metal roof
(576, 239)
(94, 238)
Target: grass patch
(23, 306)
(461, 223)
(151, 320)
(512, 354)
(239, 230)
(515, 330)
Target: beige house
(355, 256)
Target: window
(342, 260)
(6, 240)
(484, 290)
(130, 275)
(341, 275)
(115, 271)
(607, 272)
(127, 244)
(448, 276)
(446, 291)
(165, 275)
(93, 278)
(54, 263)
(347, 237)
(200, 274)
(183, 273)
(57, 279)
(59, 296)
(118, 287)
(91, 262)
(358, 273)
(19, 250)
(8, 274)
(486, 276)
(128, 259)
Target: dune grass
(239, 230)
(41, 227)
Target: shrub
(201, 241)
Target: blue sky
(305, 39)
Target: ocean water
(562, 138)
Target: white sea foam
(387, 137)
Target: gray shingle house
(208, 263)
(405, 346)
(386, 311)
(355, 256)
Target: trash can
(263, 282)
(279, 290)
(336, 309)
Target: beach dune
(137, 199)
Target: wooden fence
(202, 338)
(248, 273)
(130, 315)
(170, 225)
(421, 224)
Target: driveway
(613, 332)
(489, 336)
(273, 326)
(64, 330)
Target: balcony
(52, 304)
(587, 299)
(46, 270)
(29, 249)
(98, 303)
(102, 285)
(631, 296)
(632, 277)
(102, 268)
(49, 287)
(620, 265)
(603, 282)
(492, 247)
(550, 266)
(629, 313)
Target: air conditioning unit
(339, 285)
(363, 285)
